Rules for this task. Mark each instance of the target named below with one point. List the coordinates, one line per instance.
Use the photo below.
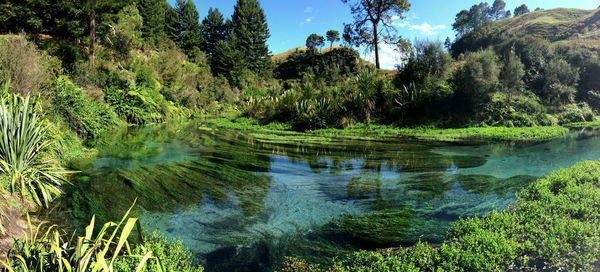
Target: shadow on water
(242, 203)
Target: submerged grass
(553, 227)
(282, 133)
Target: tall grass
(22, 143)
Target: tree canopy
(373, 23)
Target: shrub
(87, 118)
(575, 113)
(172, 255)
(23, 65)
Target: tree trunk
(376, 45)
(92, 50)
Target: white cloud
(426, 29)
(307, 20)
(308, 9)
(388, 56)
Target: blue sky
(291, 21)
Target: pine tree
(249, 35)
(187, 27)
(214, 30)
(153, 13)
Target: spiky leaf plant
(97, 250)
(22, 141)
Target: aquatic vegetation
(376, 229)
(22, 144)
(553, 227)
(282, 133)
(242, 123)
(591, 124)
(468, 135)
(484, 184)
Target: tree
(448, 44)
(314, 41)
(477, 79)
(498, 10)
(521, 10)
(153, 13)
(333, 36)
(104, 11)
(468, 20)
(187, 27)
(373, 23)
(249, 35)
(512, 75)
(214, 30)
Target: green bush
(172, 255)
(575, 113)
(87, 118)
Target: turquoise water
(241, 202)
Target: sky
(292, 21)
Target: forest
(73, 72)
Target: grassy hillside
(562, 25)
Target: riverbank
(374, 132)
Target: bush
(575, 113)
(172, 255)
(23, 65)
(87, 118)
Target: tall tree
(498, 10)
(512, 75)
(153, 13)
(101, 12)
(249, 35)
(521, 10)
(187, 29)
(314, 41)
(214, 30)
(333, 36)
(468, 20)
(373, 22)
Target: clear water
(240, 203)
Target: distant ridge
(561, 25)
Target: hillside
(562, 25)
(284, 55)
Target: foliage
(332, 37)
(87, 118)
(477, 79)
(314, 42)
(373, 23)
(186, 28)
(249, 36)
(521, 10)
(154, 26)
(214, 30)
(21, 151)
(172, 255)
(331, 66)
(46, 248)
(23, 65)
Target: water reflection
(242, 201)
